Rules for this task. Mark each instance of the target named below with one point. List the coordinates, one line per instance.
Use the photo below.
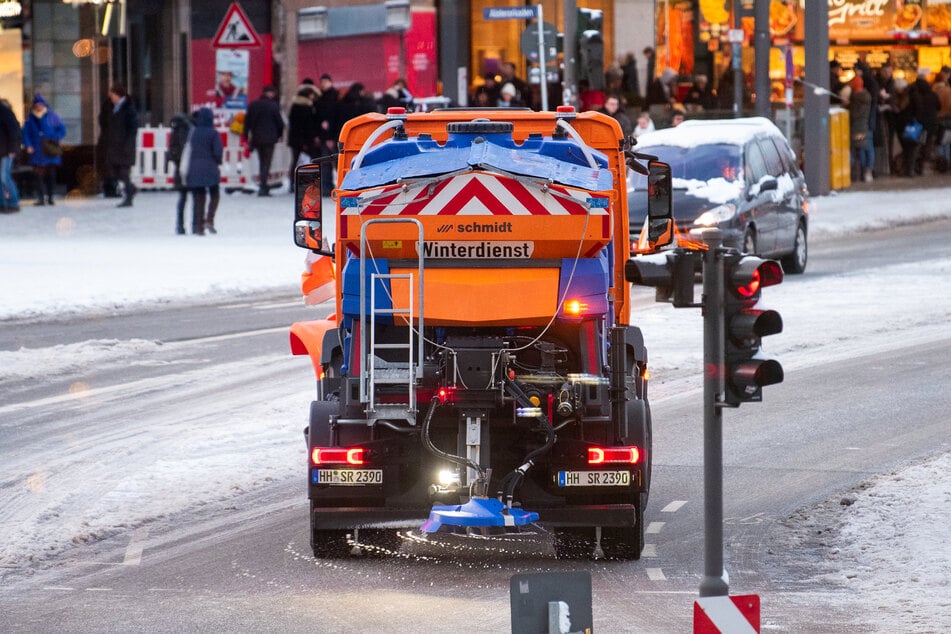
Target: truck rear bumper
(580, 516)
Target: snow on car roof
(696, 132)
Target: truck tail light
(575, 308)
(335, 455)
(613, 455)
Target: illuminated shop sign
(10, 9)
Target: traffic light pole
(543, 84)
(713, 582)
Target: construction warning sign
(236, 30)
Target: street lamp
(312, 23)
(398, 15)
(398, 19)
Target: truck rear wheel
(617, 542)
(624, 542)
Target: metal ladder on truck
(375, 370)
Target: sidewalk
(901, 183)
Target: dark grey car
(739, 175)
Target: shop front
(693, 37)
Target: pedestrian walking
(263, 128)
(122, 125)
(302, 126)
(42, 132)
(181, 126)
(200, 162)
(9, 148)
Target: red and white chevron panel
(476, 194)
(737, 614)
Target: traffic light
(672, 273)
(591, 48)
(744, 326)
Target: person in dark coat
(181, 126)
(302, 126)
(630, 82)
(701, 95)
(110, 188)
(263, 128)
(42, 123)
(326, 107)
(860, 102)
(612, 108)
(905, 113)
(355, 103)
(202, 171)
(121, 129)
(9, 148)
(396, 96)
(926, 105)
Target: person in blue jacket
(42, 123)
(203, 154)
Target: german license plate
(594, 478)
(347, 477)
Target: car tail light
(613, 455)
(337, 455)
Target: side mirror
(309, 221)
(768, 184)
(660, 215)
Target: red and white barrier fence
(152, 171)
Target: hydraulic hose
(436, 451)
(511, 481)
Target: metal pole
(713, 582)
(761, 46)
(570, 86)
(816, 114)
(543, 79)
(737, 63)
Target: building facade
(177, 55)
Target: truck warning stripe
(475, 194)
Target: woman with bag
(200, 169)
(42, 133)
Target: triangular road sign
(236, 30)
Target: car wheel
(795, 262)
(749, 241)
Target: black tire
(326, 543)
(624, 542)
(649, 463)
(749, 241)
(795, 262)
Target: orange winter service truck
(478, 375)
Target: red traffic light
(751, 274)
